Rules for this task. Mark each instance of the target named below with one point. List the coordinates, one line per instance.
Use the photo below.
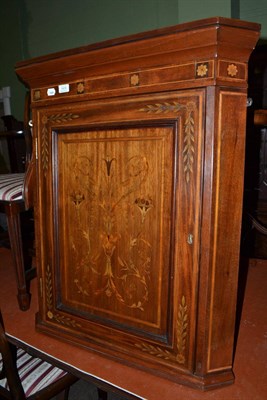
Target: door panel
(114, 199)
(119, 195)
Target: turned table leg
(14, 230)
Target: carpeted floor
(251, 348)
(250, 362)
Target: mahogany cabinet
(139, 147)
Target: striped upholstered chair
(23, 376)
(16, 196)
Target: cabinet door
(118, 226)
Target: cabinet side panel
(227, 223)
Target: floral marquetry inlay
(128, 284)
(202, 70)
(80, 87)
(46, 119)
(134, 80)
(156, 351)
(232, 70)
(144, 205)
(189, 129)
(182, 328)
(179, 353)
(164, 108)
(62, 319)
(37, 95)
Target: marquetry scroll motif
(56, 118)
(128, 283)
(51, 315)
(189, 129)
(179, 353)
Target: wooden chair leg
(14, 231)
(102, 394)
(66, 393)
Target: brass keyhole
(190, 238)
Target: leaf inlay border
(49, 303)
(58, 118)
(189, 129)
(181, 339)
